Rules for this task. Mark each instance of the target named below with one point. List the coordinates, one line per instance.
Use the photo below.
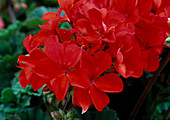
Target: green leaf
(65, 25)
(7, 95)
(5, 48)
(40, 11)
(33, 23)
(34, 18)
(107, 114)
(17, 89)
(24, 100)
(6, 33)
(16, 42)
(32, 114)
(76, 114)
(10, 111)
(5, 78)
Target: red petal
(42, 65)
(79, 78)
(84, 26)
(167, 11)
(28, 72)
(101, 3)
(87, 62)
(109, 83)
(72, 55)
(41, 37)
(47, 68)
(67, 4)
(99, 98)
(55, 51)
(113, 18)
(22, 60)
(36, 81)
(26, 42)
(49, 15)
(150, 60)
(30, 44)
(95, 17)
(125, 6)
(22, 79)
(157, 3)
(102, 62)
(49, 85)
(128, 62)
(144, 6)
(82, 98)
(37, 55)
(51, 39)
(60, 86)
(49, 27)
(65, 35)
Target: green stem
(11, 13)
(148, 87)
(49, 109)
(167, 114)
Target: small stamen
(92, 81)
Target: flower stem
(166, 115)
(11, 13)
(148, 87)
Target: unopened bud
(23, 5)
(16, 6)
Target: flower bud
(16, 6)
(23, 5)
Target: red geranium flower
(28, 76)
(126, 8)
(151, 38)
(111, 82)
(57, 67)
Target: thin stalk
(148, 87)
(167, 114)
(11, 13)
(49, 109)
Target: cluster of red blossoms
(107, 38)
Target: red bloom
(127, 8)
(162, 8)
(126, 52)
(28, 76)
(95, 93)
(57, 67)
(151, 39)
(132, 32)
(144, 7)
(100, 25)
(65, 4)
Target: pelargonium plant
(107, 39)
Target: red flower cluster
(120, 36)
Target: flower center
(92, 81)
